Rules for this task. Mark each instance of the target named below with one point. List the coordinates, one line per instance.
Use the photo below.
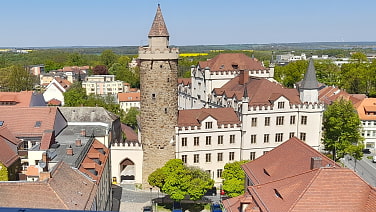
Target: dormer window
(38, 124)
(208, 125)
(281, 105)
(235, 66)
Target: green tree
(178, 180)
(342, 130)
(234, 176)
(130, 118)
(76, 59)
(108, 57)
(75, 96)
(291, 73)
(19, 79)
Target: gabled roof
(324, 189)
(232, 62)
(330, 94)
(87, 114)
(367, 109)
(20, 99)
(8, 147)
(184, 81)
(260, 91)
(67, 189)
(158, 28)
(289, 158)
(194, 117)
(28, 120)
(129, 97)
(310, 80)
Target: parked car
(374, 159)
(366, 151)
(147, 209)
(176, 207)
(215, 207)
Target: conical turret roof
(158, 29)
(310, 81)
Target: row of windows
(252, 155)
(277, 138)
(208, 157)
(208, 140)
(279, 120)
(368, 123)
(219, 173)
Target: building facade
(102, 85)
(159, 107)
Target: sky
(58, 23)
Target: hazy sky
(45, 23)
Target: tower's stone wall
(159, 111)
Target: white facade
(102, 85)
(54, 91)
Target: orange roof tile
(129, 97)
(367, 109)
(293, 157)
(232, 62)
(21, 99)
(194, 117)
(8, 147)
(184, 81)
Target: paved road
(364, 168)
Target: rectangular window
(292, 134)
(278, 137)
(220, 139)
(208, 157)
(304, 120)
(232, 139)
(267, 121)
(208, 140)
(279, 120)
(196, 158)
(184, 141)
(266, 138)
(292, 119)
(196, 141)
(184, 158)
(254, 122)
(208, 125)
(219, 173)
(281, 105)
(253, 139)
(220, 156)
(303, 136)
(252, 155)
(231, 156)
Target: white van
(374, 159)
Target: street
(364, 168)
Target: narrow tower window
(165, 110)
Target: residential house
(293, 174)
(129, 100)
(102, 85)
(329, 94)
(367, 113)
(54, 92)
(10, 162)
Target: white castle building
(238, 112)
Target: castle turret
(309, 86)
(159, 97)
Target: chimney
(78, 142)
(69, 150)
(243, 77)
(44, 157)
(83, 132)
(316, 162)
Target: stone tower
(159, 98)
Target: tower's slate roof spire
(310, 81)
(158, 29)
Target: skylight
(38, 123)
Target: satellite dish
(42, 164)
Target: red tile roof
(8, 147)
(20, 99)
(194, 117)
(23, 120)
(324, 189)
(260, 91)
(329, 94)
(184, 81)
(367, 109)
(130, 134)
(232, 62)
(129, 97)
(289, 158)
(54, 102)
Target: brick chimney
(316, 162)
(69, 150)
(78, 142)
(83, 132)
(243, 77)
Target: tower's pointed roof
(310, 81)
(158, 29)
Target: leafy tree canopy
(178, 180)
(342, 130)
(234, 176)
(291, 73)
(130, 118)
